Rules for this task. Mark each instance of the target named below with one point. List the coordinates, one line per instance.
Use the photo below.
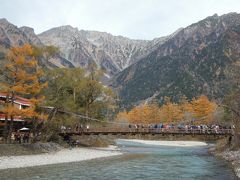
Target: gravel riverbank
(61, 156)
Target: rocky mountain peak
(111, 53)
(27, 30)
(11, 35)
(33, 38)
(3, 21)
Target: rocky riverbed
(231, 156)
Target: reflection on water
(140, 162)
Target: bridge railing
(154, 131)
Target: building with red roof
(20, 103)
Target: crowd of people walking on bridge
(185, 128)
(155, 128)
(78, 128)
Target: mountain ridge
(189, 62)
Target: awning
(24, 129)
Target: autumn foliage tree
(80, 91)
(20, 76)
(122, 116)
(187, 108)
(171, 112)
(92, 88)
(140, 114)
(199, 110)
(203, 109)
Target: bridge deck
(125, 131)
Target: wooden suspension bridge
(134, 131)
(147, 131)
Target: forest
(56, 94)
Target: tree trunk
(87, 110)
(10, 129)
(236, 138)
(12, 118)
(74, 95)
(5, 130)
(52, 114)
(34, 128)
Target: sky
(136, 19)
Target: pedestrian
(81, 128)
(21, 137)
(13, 137)
(229, 141)
(27, 137)
(76, 128)
(63, 129)
(87, 127)
(18, 137)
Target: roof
(16, 118)
(18, 99)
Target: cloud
(138, 19)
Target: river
(139, 161)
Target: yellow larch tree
(203, 109)
(122, 116)
(144, 114)
(200, 109)
(155, 113)
(186, 108)
(21, 76)
(171, 112)
(135, 115)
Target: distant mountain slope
(11, 35)
(190, 63)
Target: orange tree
(203, 109)
(171, 112)
(186, 108)
(155, 113)
(143, 114)
(21, 76)
(135, 115)
(122, 116)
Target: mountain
(31, 36)
(11, 35)
(189, 63)
(111, 53)
(79, 48)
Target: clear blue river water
(139, 162)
